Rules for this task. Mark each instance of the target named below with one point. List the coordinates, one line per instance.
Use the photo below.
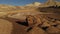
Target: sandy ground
(5, 27)
(8, 27)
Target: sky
(19, 2)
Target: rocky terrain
(32, 18)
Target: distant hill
(34, 4)
(50, 3)
(6, 7)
